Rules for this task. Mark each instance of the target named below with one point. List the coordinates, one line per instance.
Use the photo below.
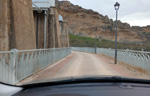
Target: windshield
(43, 40)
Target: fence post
(54, 55)
(15, 53)
(86, 50)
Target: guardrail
(138, 59)
(16, 65)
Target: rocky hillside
(82, 22)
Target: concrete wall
(4, 25)
(22, 30)
(16, 25)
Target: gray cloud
(131, 11)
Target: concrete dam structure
(24, 24)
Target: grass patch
(78, 41)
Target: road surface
(80, 64)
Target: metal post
(45, 29)
(95, 40)
(15, 53)
(116, 39)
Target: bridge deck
(83, 64)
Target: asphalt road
(84, 64)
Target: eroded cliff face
(82, 22)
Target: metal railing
(138, 59)
(16, 65)
(83, 49)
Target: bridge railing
(83, 49)
(16, 65)
(139, 59)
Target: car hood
(85, 79)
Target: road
(83, 64)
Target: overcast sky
(135, 12)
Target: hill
(82, 22)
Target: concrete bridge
(83, 64)
(25, 66)
(34, 41)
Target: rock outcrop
(82, 22)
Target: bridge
(26, 66)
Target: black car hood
(89, 79)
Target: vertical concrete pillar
(67, 44)
(22, 34)
(45, 30)
(57, 29)
(51, 27)
(62, 33)
(4, 25)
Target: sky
(134, 12)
